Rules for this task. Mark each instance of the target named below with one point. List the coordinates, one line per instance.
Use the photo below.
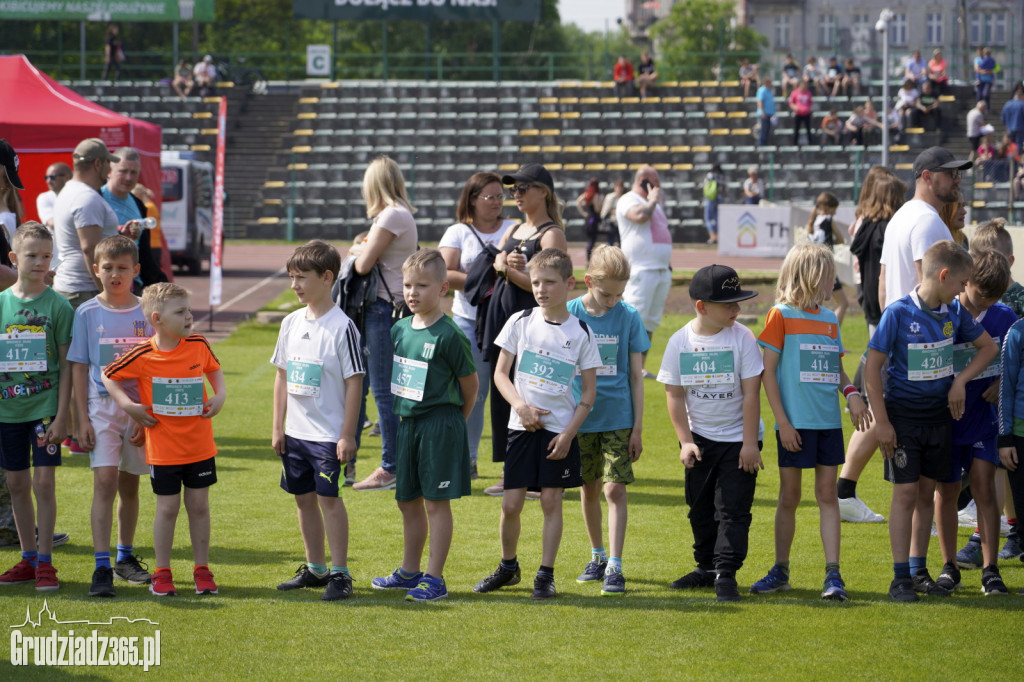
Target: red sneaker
(46, 577)
(21, 572)
(163, 584)
(204, 580)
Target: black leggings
(806, 121)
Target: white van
(186, 216)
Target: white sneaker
(378, 480)
(968, 516)
(852, 510)
(1004, 526)
(496, 490)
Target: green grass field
(251, 630)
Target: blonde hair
(30, 229)
(556, 259)
(608, 262)
(155, 295)
(804, 272)
(553, 205)
(992, 235)
(384, 186)
(948, 214)
(429, 261)
(115, 246)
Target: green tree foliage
(697, 34)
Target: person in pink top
(801, 102)
(937, 71)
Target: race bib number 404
(707, 366)
(545, 372)
(178, 397)
(929, 361)
(23, 352)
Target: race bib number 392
(545, 372)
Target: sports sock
(31, 557)
(831, 566)
(975, 537)
(614, 563)
(546, 570)
(846, 488)
(340, 569)
(510, 564)
(102, 559)
(319, 570)
(407, 576)
(917, 563)
(901, 569)
(45, 558)
(125, 552)
(597, 554)
(784, 567)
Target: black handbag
(353, 291)
(480, 276)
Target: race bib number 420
(178, 397)
(929, 361)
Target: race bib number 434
(178, 397)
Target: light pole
(882, 26)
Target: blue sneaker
(970, 555)
(594, 572)
(396, 582)
(775, 581)
(614, 583)
(428, 589)
(835, 588)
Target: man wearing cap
(57, 175)
(917, 225)
(81, 219)
(643, 230)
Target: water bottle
(147, 223)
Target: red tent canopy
(44, 122)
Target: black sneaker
(924, 584)
(103, 582)
(593, 572)
(339, 586)
(902, 589)
(304, 578)
(949, 579)
(500, 578)
(543, 587)
(698, 577)
(726, 589)
(992, 584)
(133, 570)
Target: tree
(699, 36)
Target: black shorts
(818, 447)
(921, 450)
(167, 479)
(310, 465)
(527, 466)
(18, 442)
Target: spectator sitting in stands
(906, 103)
(748, 76)
(646, 73)
(851, 78)
(182, 82)
(928, 114)
(1018, 185)
(831, 129)
(893, 121)
(205, 75)
(791, 75)
(937, 72)
(986, 154)
(753, 188)
(975, 123)
(855, 126)
(917, 68)
(871, 121)
(1008, 149)
(833, 77)
(812, 74)
(623, 77)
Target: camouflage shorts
(606, 455)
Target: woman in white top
(480, 222)
(392, 239)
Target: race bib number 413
(178, 397)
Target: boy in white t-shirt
(548, 346)
(317, 392)
(712, 375)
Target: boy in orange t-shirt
(174, 409)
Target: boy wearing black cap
(712, 375)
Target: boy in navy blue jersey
(912, 421)
(974, 435)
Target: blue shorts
(964, 456)
(17, 440)
(819, 447)
(309, 465)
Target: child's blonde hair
(608, 262)
(155, 295)
(427, 260)
(805, 271)
(556, 259)
(30, 229)
(991, 235)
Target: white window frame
(781, 32)
(898, 30)
(934, 28)
(826, 31)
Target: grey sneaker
(969, 555)
(304, 578)
(133, 570)
(1011, 549)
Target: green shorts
(606, 455)
(432, 456)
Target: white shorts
(647, 291)
(113, 427)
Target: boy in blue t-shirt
(610, 438)
(912, 421)
(974, 435)
(106, 327)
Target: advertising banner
(418, 10)
(108, 10)
(217, 245)
(754, 230)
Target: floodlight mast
(882, 26)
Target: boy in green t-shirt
(434, 383)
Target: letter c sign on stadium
(418, 10)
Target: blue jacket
(1011, 389)
(1013, 115)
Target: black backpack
(353, 292)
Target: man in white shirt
(917, 224)
(647, 243)
(56, 177)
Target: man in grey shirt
(81, 219)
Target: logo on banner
(746, 231)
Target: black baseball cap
(9, 160)
(718, 284)
(937, 158)
(531, 172)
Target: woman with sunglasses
(480, 222)
(534, 194)
(393, 238)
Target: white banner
(754, 230)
